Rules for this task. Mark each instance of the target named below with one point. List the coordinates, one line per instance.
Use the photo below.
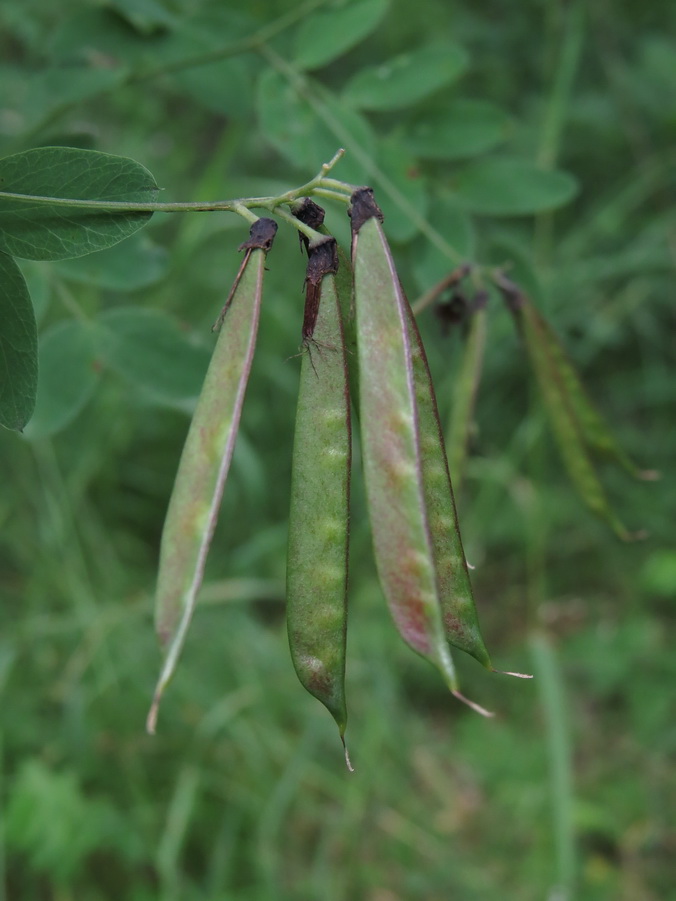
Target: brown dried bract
(261, 235)
(363, 207)
(323, 260)
(311, 214)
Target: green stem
(549, 678)
(242, 206)
(560, 95)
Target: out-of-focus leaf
(511, 187)
(301, 135)
(38, 279)
(145, 16)
(126, 267)
(406, 79)
(51, 89)
(401, 170)
(225, 87)
(455, 226)
(43, 231)
(461, 129)
(149, 349)
(68, 375)
(18, 347)
(325, 36)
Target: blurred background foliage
(542, 137)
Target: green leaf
(149, 349)
(50, 90)
(325, 36)
(301, 135)
(18, 347)
(126, 267)
(43, 231)
(511, 187)
(430, 265)
(463, 128)
(406, 79)
(67, 377)
(39, 280)
(224, 87)
(400, 168)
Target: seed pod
(595, 430)
(465, 390)
(320, 488)
(461, 622)
(561, 405)
(391, 443)
(206, 457)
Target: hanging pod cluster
(418, 549)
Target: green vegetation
(538, 143)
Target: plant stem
(337, 190)
(548, 677)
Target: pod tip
(348, 762)
(476, 707)
(503, 672)
(151, 719)
(649, 475)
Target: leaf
(325, 36)
(430, 265)
(301, 135)
(463, 128)
(48, 91)
(125, 267)
(511, 187)
(18, 348)
(400, 168)
(406, 79)
(43, 231)
(148, 348)
(39, 281)
(67, 377)
(225, 87)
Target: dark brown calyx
(323, 260)
(311, 214)
(363, 207)
(511, 293)
(261, 235)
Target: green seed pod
(460, 618)
(206, 457)
(465, 390)
(320, 488)
(562, 404)
(394, 467)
